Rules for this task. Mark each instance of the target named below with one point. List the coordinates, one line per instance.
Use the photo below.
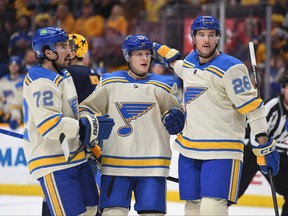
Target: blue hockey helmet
(205, 22)
(48, 36)
(136, 42)
(14, 59)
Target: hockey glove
(165, 55)
(95, 127)
(174, 120)
(267, 157)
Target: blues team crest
(130, 111)
(74, 106)
(192, 93)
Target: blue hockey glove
(165, 54)
(14, 124)
(95, 127)
(174, 120)
(267, 156)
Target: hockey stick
(254, 68)
(11, 133)
(66, 149)
(63, 142)
(173, 179)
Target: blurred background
(105, 23)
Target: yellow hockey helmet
(81, 44)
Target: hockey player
(51, 109)
(85, 78)
(137, 155)
(276, 110)
(218, 95)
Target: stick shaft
(275, 203)
(254, 68)
(11, 133)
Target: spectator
(64, 19)
(42, 20)
(7, 87)
(117, 20)
(22, 38)
(88, 24)
(29, 60)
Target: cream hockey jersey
(7, 92)
(139, 143)
(50, 106)
(217, 95)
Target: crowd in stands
(106, 23)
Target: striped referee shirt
(276, 115)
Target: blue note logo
(192, 93)
(130, 111)
(74, 106)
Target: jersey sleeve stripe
(188, 64)
(114, 80)
(215, 71)
(250, 105)
(58, 79)
(27, 80)
(159, 84)
(48, 124)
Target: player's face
(14, 68)
(140, 61)
(64, 54)
(206, 41)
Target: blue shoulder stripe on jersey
(160, 84)
(215, 70)
(48, 124)
(187, 64)
(65, 73)
(114, 80)
(27, 80)
(38, 72)
(58, 79)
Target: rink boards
(15, 178)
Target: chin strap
(139, 75)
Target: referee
(276, 110)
